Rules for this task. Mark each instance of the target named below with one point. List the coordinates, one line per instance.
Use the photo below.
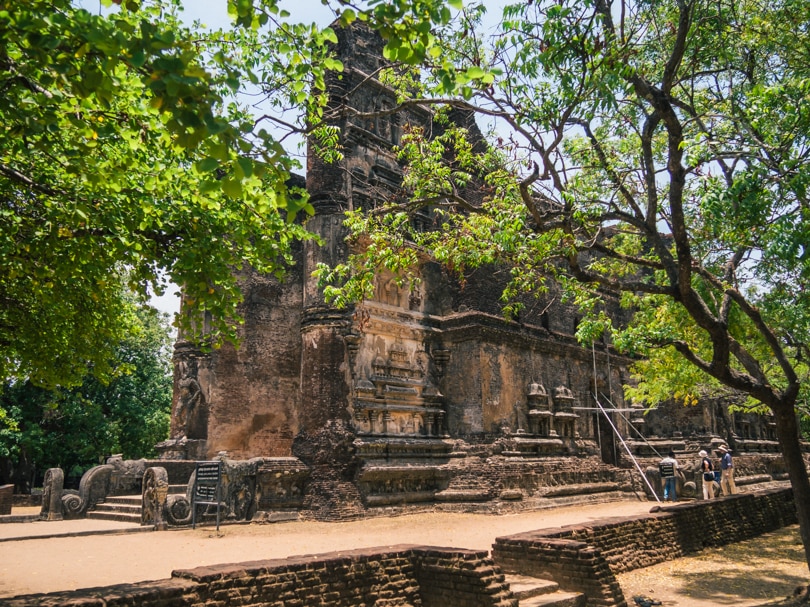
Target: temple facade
(422, 395)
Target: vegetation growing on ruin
(653, 150)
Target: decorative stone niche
(540, 414)
(398, 399)
(564, 416)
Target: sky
(214, 14)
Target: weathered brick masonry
(397, 576)
(586, 558)
(581, 558)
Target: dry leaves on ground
(760, 571)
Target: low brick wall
(586, 557)
(397, 576)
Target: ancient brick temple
(423, 395)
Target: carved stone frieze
(280, 484)
(396, 397)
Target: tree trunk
(787, 431)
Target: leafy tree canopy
(124, 155)
(72, 428)
(655, 149)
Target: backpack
(666, 469)
(706, 466)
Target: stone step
(559, 598)
(123, 500)
(177, 489)
(524, 586)
(122, 508)
(114, 516)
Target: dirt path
(742, 575)
(48, 565)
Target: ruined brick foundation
(399, 576)
(587, 557)
(581, 558)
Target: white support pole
(626, 448)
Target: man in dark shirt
(727, 471)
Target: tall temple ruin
(423, 395)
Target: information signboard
(207, 489)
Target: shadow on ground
(762, 571)
(733, 587)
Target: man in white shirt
(668, 467)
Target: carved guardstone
(52, 489)
(155, 490)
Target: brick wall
(585, 558)
(398, 576)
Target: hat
(723, 448)
(702, 453)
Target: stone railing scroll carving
(93, 488)
(178, 510)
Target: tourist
(707, 469)
(727, 471)
(669, 471)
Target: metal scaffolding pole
(626, 448)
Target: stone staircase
(535, 592)
(124, 508)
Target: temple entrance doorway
(607, 439)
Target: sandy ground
(743, 575)
(65, 563)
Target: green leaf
(206, 165)
(232, 188)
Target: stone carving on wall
(280, 483)
(386, 486)
(398, 398)
(127, 475)
(52, 495)
(189, 428)
(191, 400)
(540, 414)
(564, 416)
(155, 490)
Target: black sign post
(207, 489)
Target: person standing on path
(727, 471)
(669, 474)
(707, 469)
